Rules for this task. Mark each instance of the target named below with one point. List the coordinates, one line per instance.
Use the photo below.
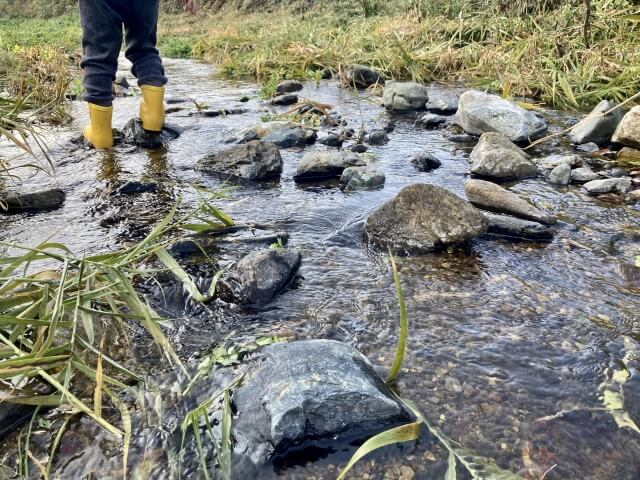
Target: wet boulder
(304, 393)
(289, 86)
(561, 175)
(285, 99)
(517, 228)
(495, 156)
(324, 165)
(489, 196)
(608, 185)
(480, 112)
(259, 276)
(358, 178)
(431, 120)
(583, 175)
(30, 201)
(256, 160)
(422, 218)
(596, 127)
(330, 139)
(628, 131)
(405, 96)
(361, 76)
(134, 134)
(425, 162)
(378, 137)
(282, 134)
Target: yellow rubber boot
(99, 133)
(152, 108)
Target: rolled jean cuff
(154, 81)
(98, 89)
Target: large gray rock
(310, 391)
(405, 96)
(517, 228)
(255, 160)
(358, 178)
(628, 131)
(288, 137)
(495, 156)
(561, 175)
(583, 175)
(422, 218)
(597, 128)
(480, 112)
(323, 165)
(608, 185)
(40, 200)
(361, 76)
(489, 196)
(259, 276)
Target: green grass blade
(404, 325)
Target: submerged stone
(517, 228)
(41, 200)
(480, 112)
(422, 218)
(425, 162)
(256, 160)
(259, 276)
(378, 137)
(357, 178)
(305, 392)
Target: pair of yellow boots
(99, 132)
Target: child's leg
(141, 25)
(101, 43)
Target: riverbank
(542, 56)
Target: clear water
(502, 335)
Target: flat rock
(495, 156)
(608, 185)
(590, 147)
(378, 137)
(30, 201)
(134, 134)
(256, 160)
(597, 128)
(405, 96)
(583, 175)
(362, 76)
(517, 228)
(259, 276)
(426, 162)
(489, 196)
(330, 139)
(431, 120)
(359, 148)
(628, 131)
(552, 161)
(561, 175)
(302, 393)
(480, 112)
(135, 187)
(282, 134)
(289, 86)
(324, 165)
(284, 100)
(422, 218)
(359, 178)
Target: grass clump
(540, 55)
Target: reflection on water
(504, 336)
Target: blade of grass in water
(404, 325)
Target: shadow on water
(504, 336)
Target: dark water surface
(504, 336)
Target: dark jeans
(102, 26)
